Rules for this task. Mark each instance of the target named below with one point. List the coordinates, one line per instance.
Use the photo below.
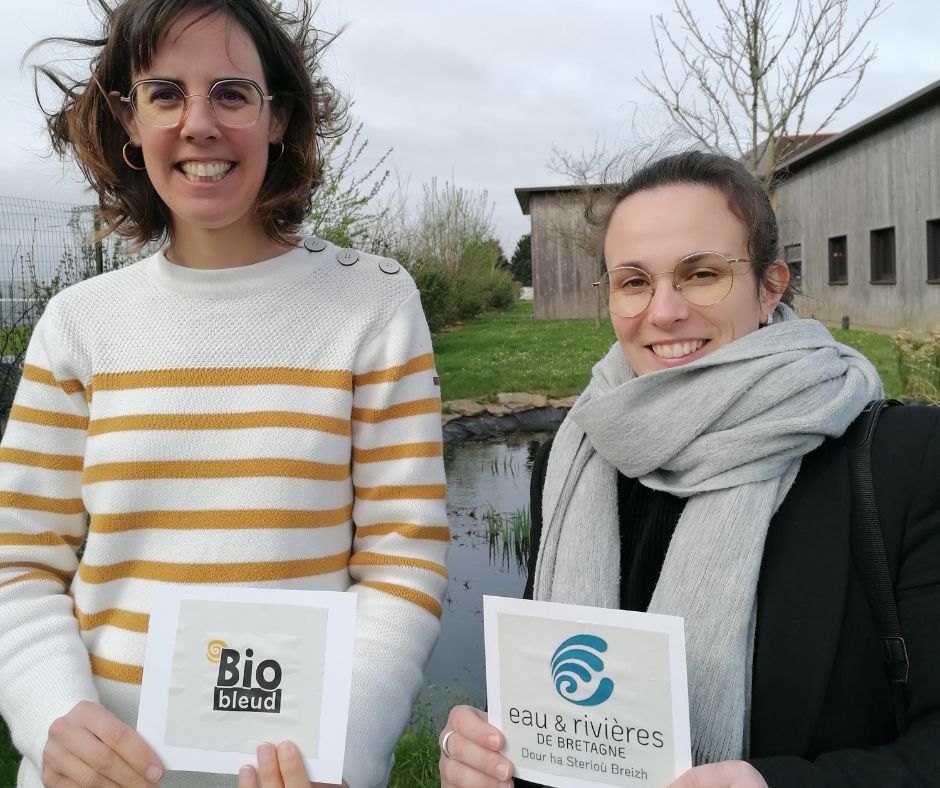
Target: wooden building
(860, 219)
(565, 258)
(859, 216)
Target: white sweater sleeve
(44, 665)
(398, 563)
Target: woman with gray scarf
(701, 474)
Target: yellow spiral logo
(214, 650)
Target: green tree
(521, 265)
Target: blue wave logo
(576, 664)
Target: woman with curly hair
(244, 407)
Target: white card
(227, 668)
(587, 697)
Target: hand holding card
(587, 697)
(229, 669)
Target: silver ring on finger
(444, 750)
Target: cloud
(475, 91)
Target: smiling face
(653, 229)
(209, 175)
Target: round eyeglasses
(701, 278)
(161, 104)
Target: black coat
(821, 708)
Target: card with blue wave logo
(587, 697)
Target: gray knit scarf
(728, 431)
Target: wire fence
(37, 238)
(45, 246)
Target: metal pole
(99, 250)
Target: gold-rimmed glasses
(162, 104)
(702, 278)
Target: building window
(882, 257)
(838, 261)
(933, 251)
(793, 254)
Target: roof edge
(925, 97)
(523, 193)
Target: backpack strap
(871, 558)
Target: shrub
(458, 266)
(919, 365)
(499, 291)
(438, 296)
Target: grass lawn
(416, 757)
(510, 351)
(880, 351)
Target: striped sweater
(273, 425)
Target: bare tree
(585, 168)
(748, 85)
(451, 220)
(346, 208)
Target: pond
(488, 507)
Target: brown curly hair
(289, 47)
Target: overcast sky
(473, 91)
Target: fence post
(99, 250)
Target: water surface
(487, 480)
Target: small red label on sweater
(437, 380)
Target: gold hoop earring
(127, 161)
(277, 158)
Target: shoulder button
(389, 266)
(314, 244)
(347, 256)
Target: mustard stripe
(247, 572)
(113, 617)
(34, 576)
(223, 376)
(402, 492)
(437, 533)
(13, 500)
(40, 375)
(61, 574)
(215, 469)
(44, 539)
(418, 598)
(394, 374)
(401, 451)
(35, 459)
(227, 519)
(220, 421)
(413, 408)
(116, 671)
(48, 418)
(367, 558)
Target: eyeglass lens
(160, 104)
(701, 279)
